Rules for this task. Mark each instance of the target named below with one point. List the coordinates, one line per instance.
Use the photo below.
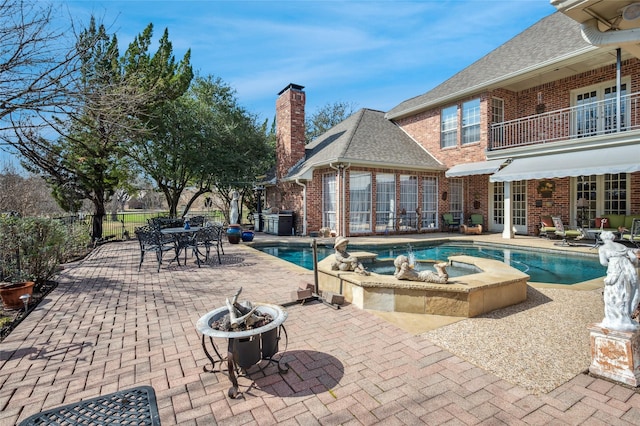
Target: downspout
(304, 206)
(592, 34)
(618, 87)
(344, 199)
(337, 169)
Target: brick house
(546, 124)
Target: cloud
(372, 53)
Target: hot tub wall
(497, 286)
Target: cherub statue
(621, 292)
(344, 261)
(405, 271)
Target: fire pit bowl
(276, 312)
(245, 347)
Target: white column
(507, 232)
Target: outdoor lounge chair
(449, 222)
(565, 233)
(476, 219)
(632, 235)
(546, 226)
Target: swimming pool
(541, 266)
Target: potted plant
(13, 288)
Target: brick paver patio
(108, 327)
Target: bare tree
(27, 195)
(35, 60)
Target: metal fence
(121, 226)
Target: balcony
(584, 120)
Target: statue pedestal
(615, 354)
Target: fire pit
(245, 347)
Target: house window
(610, 103)
(408, 201)
(449, 127)
(498, 203)
(519, 204)
(497, 116)
(586, 188)
(604, 195)
(430, 203)
(385, 201)
(360, 202)
(615, 193)
(497, 110)
(471, 121)
(455, 199)
(329, 201)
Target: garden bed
(10, 318)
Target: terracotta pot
(11, 293)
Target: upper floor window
(497, 110)
(449, 127)
(471, 121)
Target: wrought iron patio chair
(196, 221)
(632, 235)
(185, 241)
(151, 240)
(209, 236)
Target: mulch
(10, 318)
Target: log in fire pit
(252, 332)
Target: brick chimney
(290, 129)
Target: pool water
(541, 266)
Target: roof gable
(366, 138)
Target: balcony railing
(584, 120)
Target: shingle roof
(366, 138)
(551, 39)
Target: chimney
(290, 128)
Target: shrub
(30, 248)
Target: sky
(368, 54)
(371, 54)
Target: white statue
(233, 213)
(405, 271)
(344, 261)
(621, 292)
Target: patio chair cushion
(547, 225)
(615, 220)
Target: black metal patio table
(135, 406)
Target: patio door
(518, 203)
(596, 109)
